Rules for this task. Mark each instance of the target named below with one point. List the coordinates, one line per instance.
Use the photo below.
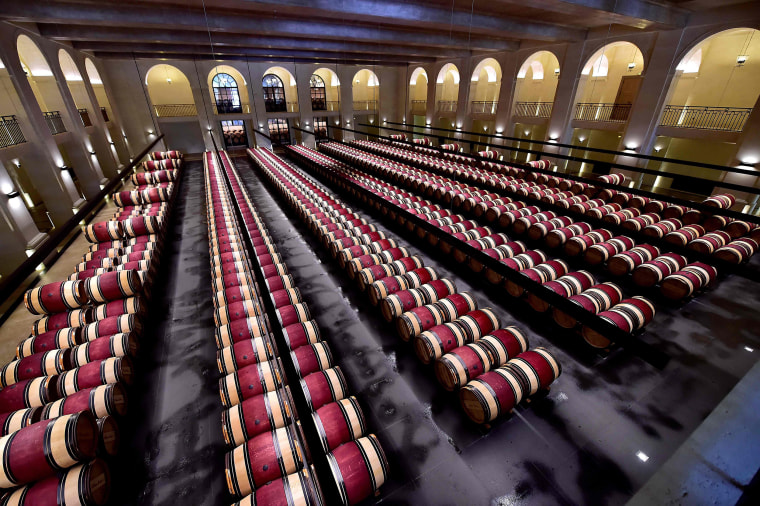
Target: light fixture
(12, 194)
(29, 252)
(741, 59)
(748, 162)
(348, 122)
(657, 149)
(631, 147)
(581, 139)
(169, 80)
(428, 122)
(749, 349)
(526, 132)
(92, 153)
(499, 130)
(642, 456)
(485, 128)
(337, 122)
(553, 137)
(631, 65)
(111, 143)
(371, 121)
(209, 128)
(40, 268)
(556, 71)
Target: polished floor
(606, 427)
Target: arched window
(274, 93)
(226, 94)
(318, 94)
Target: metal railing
(419, 106)
(10, 132)
(484, 107)
(447, 106)
(229, 108)
(365, 105)
(105, 114)
(333, 105)
(54, 122)
(85, 116)
(533, 109)
(616, 113)
(175, 110)
(725, 119)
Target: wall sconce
(427, 122)
(748, 163)
(111, 143)
(741, 59)
(92, 153)
(348, 122)
(64, 168)
(12, 194)
(556, 72)
(631, 147)
(631, 66)
(169, 80)
(485, 128)
(527, 132)
(581, 139)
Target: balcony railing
(365, 105)
(447, 106)
(175, 110)
(333, 105)
(54, 122)
(725, 119)
(533, 109)
(419, 106)
(616, 113)
(85, 115)
(10, 132)
(105, 114)
(480, 107)
(229, 108)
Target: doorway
(279, 131)
(233, 131)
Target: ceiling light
(749, 349)
(169, 80)
(642, 456)
(631, 66)
(741, 59)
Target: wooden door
(626, 96)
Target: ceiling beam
(158, 49)
(140, 16)
(91, 37)
(415, 14)
(209, 56)
(635, 13)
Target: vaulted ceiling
(344, 31)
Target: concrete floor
(577, 445)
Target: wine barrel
(142, 225)
(432, 344)
(240, 330)
(56, 297)
(625, 262)
(87, 484)
(721, 201)
(94, 374)
(16, 420)
(126, 323)
(599, 253)
(737, 251)
(559, 236)
(276, 283)
(101, 348)
(311, 358)
(538, 367)
(400, 302)
(245, 309)
(709, 243)
(566, 286)
(262, 459)
(31, 393)
(299, 488)
(661, 228)
(339, 422)
(56, 339)
(102, 400)
(322, 387)
(654, 271)
(580, 243)
(288, 315)
(257, 415)
(131, 305)
(692, 278)
(456, 368)
(46, 363)
(43, 448)
(285, 297)
(68, 319)
(492, 394)
(638, 223)
(112, 285)
(244, 353)
(541, 273)
(596, 299)
(109, 436)
(684, 235)
(235, 294)
(359, 468)
(629, 315)
(249, 381)
(301, 333)
(104, 231)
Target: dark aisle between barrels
(172, 445)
